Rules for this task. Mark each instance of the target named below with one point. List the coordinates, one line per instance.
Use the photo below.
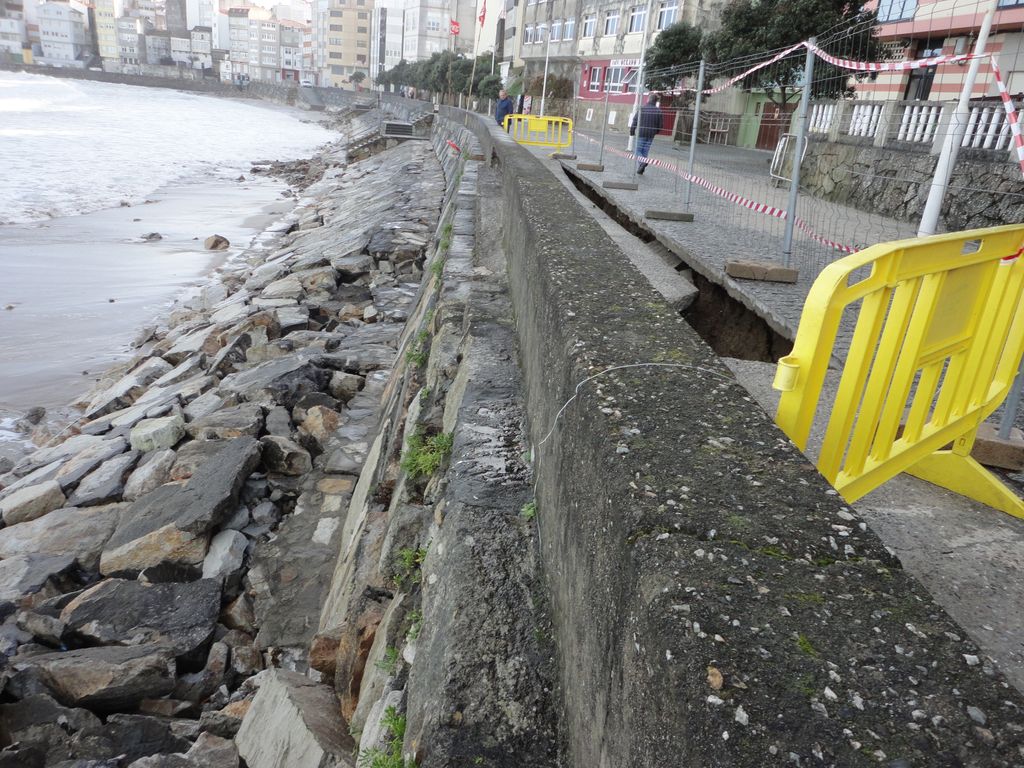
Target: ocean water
(69, 146)
(77, 279)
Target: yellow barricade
(937, 342)
(540, 131)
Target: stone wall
(713, 601)
(895, 182)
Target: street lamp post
(547, 54)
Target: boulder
(225, 557)
(153, 471)
(285, 457)
(204, 405)
(216, 243)
(192, 455)
(126, 390)
(230, 314)
(102, 679)
(105, 483)
(212, 751)
(157, 434)
(238, 615)
(283, 381)
(59, 733)
(81, 533)
(351, 268)
(199, 686)
(85, 462)
(33, 575)
(279, 422)
(171, 524)
(71, 446)
(136, 736)
(227, 423)
(285, 288)
(29, 503)
(345, 386)
(292, 318)
(295, 722)
(116, 611)
(320, 423)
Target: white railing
(919, 122)
(864, 119)
(822, 117)
(987, 128)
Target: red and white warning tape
(732, 197)
(889, 66)
(1011, 112)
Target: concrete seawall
(713, 601)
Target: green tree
(676, 45)
(751, 28)
(489, 86)
(357, 77)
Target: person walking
(645, 126)
(503, 108)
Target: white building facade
(64, 34)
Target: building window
(528, 34)
(637, 18)
(362, 15)
(613, 80)
(667, 13)
(896, 10)
(433, 25)
(542, 33)
(589, 25)
(335, 27)
(334, 55)
(595, 79)
(611, 23)
(569, 30)
(556, 29)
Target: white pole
(955, 135)
(640, 72)
(693, 130)
(547, 53)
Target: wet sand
(58, 323)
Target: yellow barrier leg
(964, 475)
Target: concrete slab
(668, 215)
(620, 185)
(593, 167)
(968, 556)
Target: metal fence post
(693, 132)
(604, 127)
(1011, 405)
(801, 142)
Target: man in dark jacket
(503, 108)
(645, 125)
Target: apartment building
(291, 34)
(13, 38)
(911, 29)
(106, 14)
(386, 40)
(64, 34)
(428, 24)
(598, 43)
(348, 41)
(264, 46)
(131, 39)
(201, 44)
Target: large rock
(102, 679)
(193, 455)
(285, 457)
(119, 612)
(80, 533)
(157, 434)
(153, 471)
(239, 421)
(125, 391)
(42, 576)
(171, 524)
(285, 288)
(85, 462)
(211, 751)
(31, 502)
(295, 722)
(226, 555)
(60, 733)
(216, 243)
(284, 381)
(105, 483)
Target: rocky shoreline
(156, 566)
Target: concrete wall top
(715, 603)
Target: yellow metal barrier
(937, 342)
(540, 131)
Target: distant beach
(76, 289)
